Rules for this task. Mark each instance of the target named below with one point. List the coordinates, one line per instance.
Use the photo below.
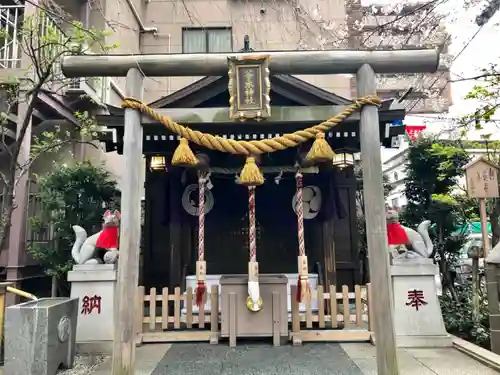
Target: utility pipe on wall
(142, 28)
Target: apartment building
(170, 26)
(55, 106)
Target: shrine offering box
(238, 321)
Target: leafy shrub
(75, 194)
(459, 320)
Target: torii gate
(362, 63)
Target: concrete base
(94, 285)
(94, 347)
(418, 319)
(444, 341)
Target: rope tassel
(201, 287)
(250, 174)
(183, 155)
(320, 151)
(303, 289)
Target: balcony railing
(10, 24)
(11, 51)
(11, 35)
(93, 87)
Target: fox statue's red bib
(396, 234)
(108, 239)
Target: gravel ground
(84, 365)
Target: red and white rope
(300, 214)
(201, 217)
(251, 221)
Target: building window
(207, 40)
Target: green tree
(43, 44)
(69, 195)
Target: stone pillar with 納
(94, 286)
(418, 319)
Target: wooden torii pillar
(362, 63)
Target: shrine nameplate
(249, 87)
(482, 179)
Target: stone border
(484, 356)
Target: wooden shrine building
(169, 242)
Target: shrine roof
(286, 90)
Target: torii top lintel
(280, 62)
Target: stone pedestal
(94, 286)
(417, 315)
(40, 336)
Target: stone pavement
(309, 359)
(440, 361)
(317, 359)
(147, 359)
(256, 359)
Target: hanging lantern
(343, 160)
(158, 163)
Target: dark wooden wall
(345, 230)
(170, 250)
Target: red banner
(412, 131)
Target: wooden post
(477, 254)
(130, 234)
(484, 227)
(376, 231)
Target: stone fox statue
(418, 243)
(84, 248)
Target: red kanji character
(91, 303)
(416, 299)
